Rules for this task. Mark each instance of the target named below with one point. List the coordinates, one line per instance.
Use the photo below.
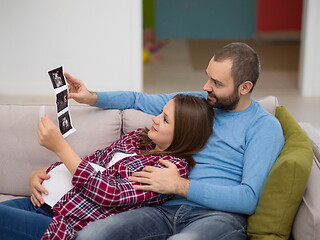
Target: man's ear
(245, 87)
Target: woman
(181, 130)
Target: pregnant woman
(97, 190)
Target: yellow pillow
(285, 185)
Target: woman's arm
(35, 184)
(112, 187)
(35, 187)
(50, 137)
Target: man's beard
(228, 103)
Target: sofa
(97, 128)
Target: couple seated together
(196, 174)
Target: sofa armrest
(307, 221)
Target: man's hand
(35, 187)
(79, 92)
(161, 180)
(49, 136)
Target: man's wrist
(182, 187)
(93, 98)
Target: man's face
(222, 93)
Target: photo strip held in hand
(61, 90)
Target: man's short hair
(245, 62)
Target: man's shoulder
(262, 120)
(266, 123)
(260, 112)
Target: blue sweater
(232, 168)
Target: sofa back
(96, 128)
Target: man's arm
(161, 180)
(147, 103)
(116, 100)
(263, 149)
(263, 145)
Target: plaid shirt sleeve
(52, 166)
(104, 156)
(111, 187)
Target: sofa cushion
(21, 153)
(285, 184)
(269, 103)
(307, 222)
(133, 119)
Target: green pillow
(285, 185)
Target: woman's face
(161, 132)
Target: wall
(98, 41)
(309, 80)
(205, 18)
(275, 15)
(148, 13)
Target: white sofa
(97, 128)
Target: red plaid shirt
(97, 195)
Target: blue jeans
(181, 222)
(19, 219)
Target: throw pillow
(285, 185)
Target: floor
(174, 68)
(171, 69)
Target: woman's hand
(35, 187)
(49, 135)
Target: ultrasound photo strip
(61, 90)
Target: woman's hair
(193, 122)
(245, 62)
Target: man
(226, 183)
